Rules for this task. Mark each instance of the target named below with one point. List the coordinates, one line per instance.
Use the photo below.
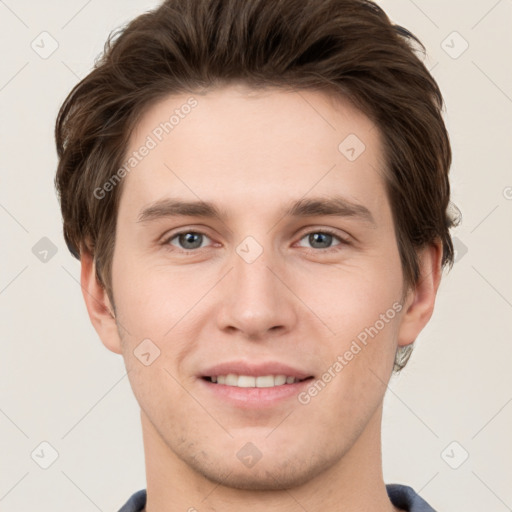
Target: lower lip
(256, 397)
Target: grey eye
(188, 240)
(321, 239)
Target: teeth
(242, 381)
(248, 381)
(279, 380)
(231, 380)
(265, 382)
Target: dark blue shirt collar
(401, 496)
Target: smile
(250, 381)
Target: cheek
(151, 298)
(358, 362)
(353, 298)
(158, 304)
(361, 305)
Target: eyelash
(325, 231)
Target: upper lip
(254, 369)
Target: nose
(257, 300)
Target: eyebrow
(332, 206)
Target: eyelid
(168, 235)
(343, 239)
(166, 239)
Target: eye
(187, 240)
(323, 239)
(192, 240)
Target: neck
(353, 483)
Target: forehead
(239, 145)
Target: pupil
(321, 238)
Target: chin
(283, 472)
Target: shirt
(401, 496)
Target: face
(255, 240)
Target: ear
(98, 304)
(419, 303)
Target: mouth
(246, 384)
(254, 381)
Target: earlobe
(419, 303)
(98, 304)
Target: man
(258, 194)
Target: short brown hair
(345, 47)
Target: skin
(252, 153)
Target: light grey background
(59, 385)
